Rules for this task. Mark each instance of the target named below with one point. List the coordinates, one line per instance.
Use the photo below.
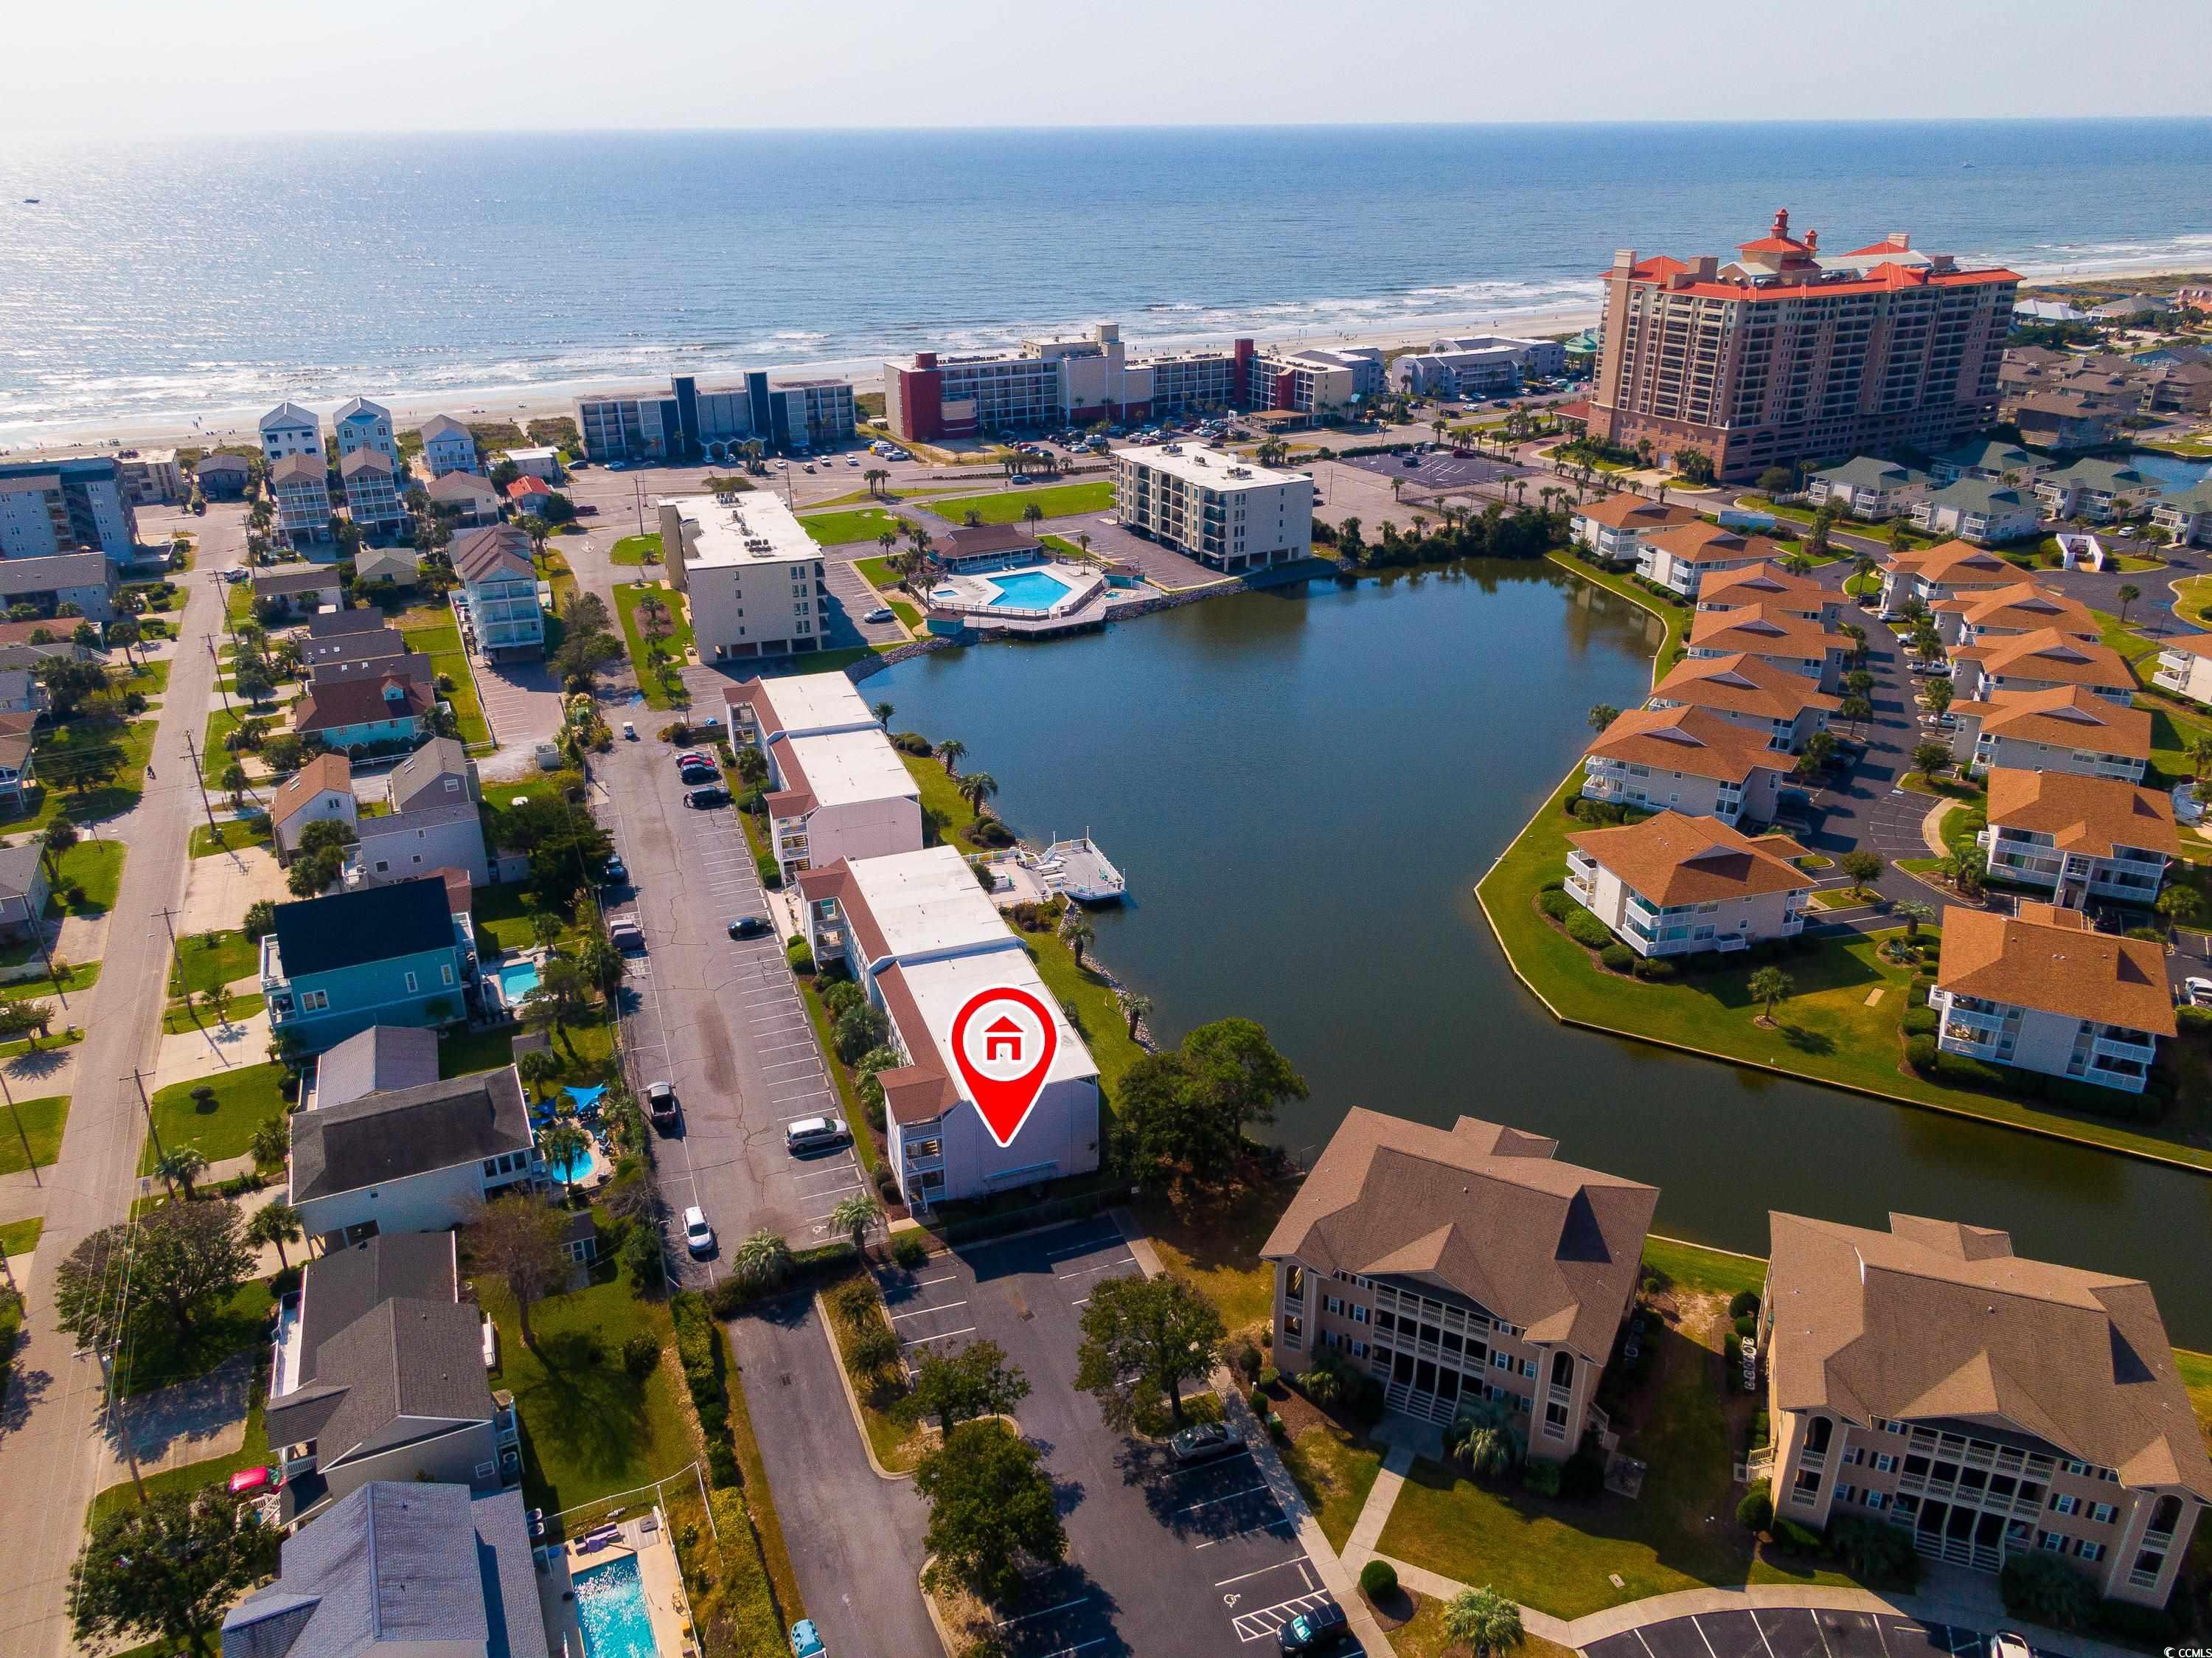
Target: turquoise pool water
(577, 1169)
(1032, 590)
(610, 1606)
(517, 981)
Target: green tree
(1487, 1436)
(1914, 914)
(1238, 1073)
(2128, 594)
(1135, 1007)
(536, 1068)
(60, 835)
(1931, 759)
(1817, 748)
(276, 1224)
(1863, 867)
(1939, 694)
(183, 1165)
(166, 1568)
(271, 1142)
(951, 751)
(563, 996)
(181, 1259)
(1143, 1340)
(1769, 985)
(517, 1240)
(762, 1261)
(1856, 709)
(993, 1516)
(564, 1144)
(1603, 715)
(975, 787)
(29, 1020)
(2180, 905)
(1483, 1621)
(951, 1387)
(1164, 1128)
(260, 919)
(1080, 934)
(856, 1217)
(882, 711)
(1775, 480)
(601, 964)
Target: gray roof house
(421, 840)
(85, 580)
(362, 618)
(400, 1568)
(382, 1059)
(418, 1158)
(1866, 487)
(441, 769)
(22, 888)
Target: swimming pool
(610, 1606)
(1032, 590)
(577, 1170)
(516, 981)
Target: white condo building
(753, 576)
(289, 428)
(918, 933)
(836, 787)
(1225, 511)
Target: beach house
(363, 426)
(381, 956)
(300, 484)
(290, 428)
(448, 446)
(1945, 570)
(499, 588)
(421, 1158)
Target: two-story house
(23, 889)
(436, 835)
(321, 791)
(1929, 1377)
(467, 498)
(1461, 1264)
(1672, 885)
(2078, 837)
(448, 446)
(1773, 633)
(381, 956)
(1613, 527)
(301, 484)
(499, 586)
(2095, 490)
(2186, 515)
(377, 1372)
(1975, 510)
(922, 938)
(301, 589)
(1681, 558)
(1867, 488)
(1688, 759)
(1947, 570)
(439, 771)
(2045, 660)
(2024, 607)
(836, 788)
(365, 427)
(360, 712)
(2184, 666)
(1749, 692)
(2066, 728)
(372, 491)
(291, 429)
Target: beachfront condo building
(922, 938)
(1228, 513)
(1778, 354)
(1462, 1264)
(2078, 836)
(501, 615)
(372, 491)
(836, 788)
(1673, 885)
(51, 507)
(300, 483)
(1928, 1378)
(2066, 728)
(362, 425)
(700, 422)
(754, 579)
(291, 429)
(1477, 366)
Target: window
(1877, 1500)
(1358, 1314)
(1528, 1368)
(1846, 1493)
(1331, 1304)
(2085, 1550)
(314, 1001)
(1359, 1349)
(445, 973)
(2050, 1541)
(1884, 1463)
(2063, 1503)
(410, 981)
(1855, 1455)
(1294, 1331)
(2102, 1513)
(1501, 1361)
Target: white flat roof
(807, 704)
(844, 767)
(928, 902)
(546, 453)
(941, 987)
(1211, 467)
(747, 529)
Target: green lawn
(1215, 1246)
(660, 691)
(203, 960)
(1825, 1032)
(840, 529)
(1705, 1272)
(633, 549)
(856, 1118)
(1335, 1473)
(1054, 501)
(41, 1122)
(503, 915)
(467, 1052)
(253, 1453)
(880, 1391)
(235, 1326)
(435, 634)
(177, 1018)
(235, 836)
(877, 574)
(947, 815)
(96, 866)
(1096, 1011)
(20, 1238)
(905, 614)
(588, 1429)
(150, 679)
(245, 1098)
(53, 795)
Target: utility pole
(169, 920)
(9, 1094)
(192, 749)
(120, 1428)
(154, 1134)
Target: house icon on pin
(1002, 1039)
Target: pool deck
(646, 1540)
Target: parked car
(880, 613)
(705, 800)
(627, 936)
(1323, 1628)
(698, 774)
(693, 757)
(629, 731)
(2006, 1644)
(616, 872)
(1936, 670)
(1204, 1442)
(814, 1134)
(750, 926)
(698, 1236)
(661, 1104)
(2196, 992)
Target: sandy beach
(552, 398)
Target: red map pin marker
(1004, 1041)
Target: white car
(2006, 1644)
(2187, 808)
(698, 1236)
(2196, 992)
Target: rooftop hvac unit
(724, 498)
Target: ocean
(156, 284)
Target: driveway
(1161, 1561)
(522, 705)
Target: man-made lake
(1304, 787)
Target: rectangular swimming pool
(1032, 590)
(610, 1606)
(517, 980)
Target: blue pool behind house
(517, 980)
(1032, 590)
(610, 1606)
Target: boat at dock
(1077, 868)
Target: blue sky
(407, 65)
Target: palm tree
(1913, 913)
(1079, 932)
(1083, 539)
(1483, 1621)
(1486, 1438)
(972, 518)
(761, 1259)
(976, 787)
(61, 835)
(875, 476)
(564, 1144)
(1031, 513)
(856, 1217)
(181, 1167)
(951, 751)
(277, 1223)
(1137, 1007)
(2128, 594)
(2200, 755)
(233, 783)
(1603, 715)
(537, 1067)
(882, 711)
(1769, 985)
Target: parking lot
(1440, 470)
(1792, 1634)
(1161, 1560)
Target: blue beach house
(377, 955)
(354, 713)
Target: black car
(750, 926)
(1323, 1628)
(617, 872)
(705, 798)
(696, 774)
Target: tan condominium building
(1785, 709)
(1682, 558)
(1613, 526)
(1675, 885)
(1771, 585)
(1690, 759)
(1928, 1378)
(1228, 513)
(2063, 729)
(2043, 991)
(1461, 1262)
(2078, 837)
(1947, 570)
(1988, 613)
(836, 787)
(1780, 354)
(754, 578)
(2041, 660)
(1772, 633)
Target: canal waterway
(1304, 787)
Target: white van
(813, 1134)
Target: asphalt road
(1792, 1634)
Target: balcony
(2112, 1047)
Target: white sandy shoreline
(538, 400)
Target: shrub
(2042, 1589)
(770, 875)
(1541, 1476)
(1920, 1053)
(1378, 1579)
(1557, 905)
(2193, 1021)
(887, 1189)
(1744, 1302)
(1746, 1327)
(909, 1250)
(1588, 930)
(1618, 957)
(1582, 1476)
(640, 1354)
(1270, 1378)
(1918, 1022)
(1756, 1512)
(1880, 1553)
(1794, 1539)
(1654, 970)
(1555, 884)
(2149, 1626)
(800, 958)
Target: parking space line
(1813, 1613)
(1761, 1628)
(920, 1311)
(942, 1335)
(1299, 1560)
(1249, 1531)
(1083, 1272)
(1702, 1635)
(1230, 1497)
(1646, 1645)
(1079, 1601)
(1099, 1242)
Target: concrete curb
(853, 1403)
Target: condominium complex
(2042, 661)
(1682, 557)
(2080, 836)
(1949, 570)
(1453, 1264)
(2184, 666)
(1686, 758)
(2066, 728)
(50, 507)
(1929, 1377)
(1989, 613)
(1784, 707)
(836, 787)
(754, 578)
(922, 938)
(696, 422)
(1228, 513)
(1671, 885)
(1778, 355)
(1485, 365)
(1973, 509)
(1773, 634)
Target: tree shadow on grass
(592, 1410)
(1808, 1041)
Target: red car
(247, 1481)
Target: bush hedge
(705, 1360)
(1541, 1475)
(1745, 1302)
(1557, 905)
(1756, 1512)
(1918, 1022)
(1588, 930)
(1920, 1053)
(1654, 969)
(1377, 1579)
(1619, 957)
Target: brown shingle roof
(1484, 1211)
(1675, 859)
(2196, 644)
(1743, 684)
(2052, 960)
(1620, 512)
(1694, 741)
(2023, 607)
(331, 771)
(1701, 542)
(292, 467)
(357, 702)
(479, 553)
(2082, 814)
(1956, 564)
(2049, 654)
(1764, 630)
(971, 539)
(1765, 581)
(2064, 716)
